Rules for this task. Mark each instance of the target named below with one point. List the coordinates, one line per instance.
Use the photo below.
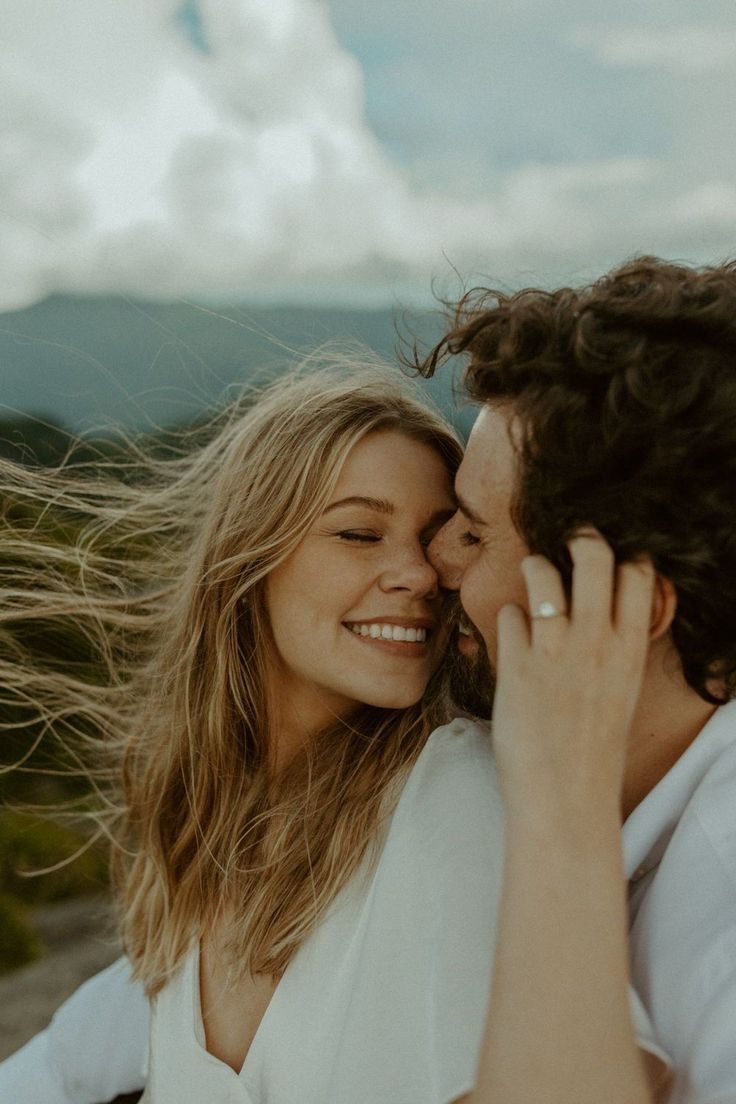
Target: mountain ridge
(91, 363)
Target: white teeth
(390, 632)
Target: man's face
(478, 553)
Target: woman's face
(355, 609)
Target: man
(598, 490)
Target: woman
(309, 858)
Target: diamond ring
(545, 610)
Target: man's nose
(443, 554)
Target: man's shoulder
(692, 810)
(683, 937)
(688, 913)
(710, 815)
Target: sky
(344, 153)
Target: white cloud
(251, 166)
(688, 48)
(706, 205)
(133, 162)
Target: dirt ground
(80, 941)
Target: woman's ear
(664, 607)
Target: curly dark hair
(625, 391)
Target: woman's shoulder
(457, 760)
(443, 859)
(450, 803)
(462, 738)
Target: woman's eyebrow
(380, 505)
(383, 506)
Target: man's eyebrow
(442, 516)
(469, 511)
(379, 505)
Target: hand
(568, 684)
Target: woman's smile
(402, 636)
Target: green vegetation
(29, 844)
(18, 944)
(42, 860)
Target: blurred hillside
(85, 363)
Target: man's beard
(472, 680)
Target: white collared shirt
(680, 853)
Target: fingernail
(586, 531)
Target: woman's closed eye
(355, 535)
(469, 538)
(361, 537)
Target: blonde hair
(164, 579)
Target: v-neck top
(386, 998)
(385, 1002)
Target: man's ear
(664, 607)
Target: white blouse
(386, 1000)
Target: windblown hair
(170, 711)
(625, 392)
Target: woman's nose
(413, 572)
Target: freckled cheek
(325, 592)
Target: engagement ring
(546, 610)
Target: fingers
(513, 636)
(594, 572)
(547, 600)
(604, 595)
(633, 602)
